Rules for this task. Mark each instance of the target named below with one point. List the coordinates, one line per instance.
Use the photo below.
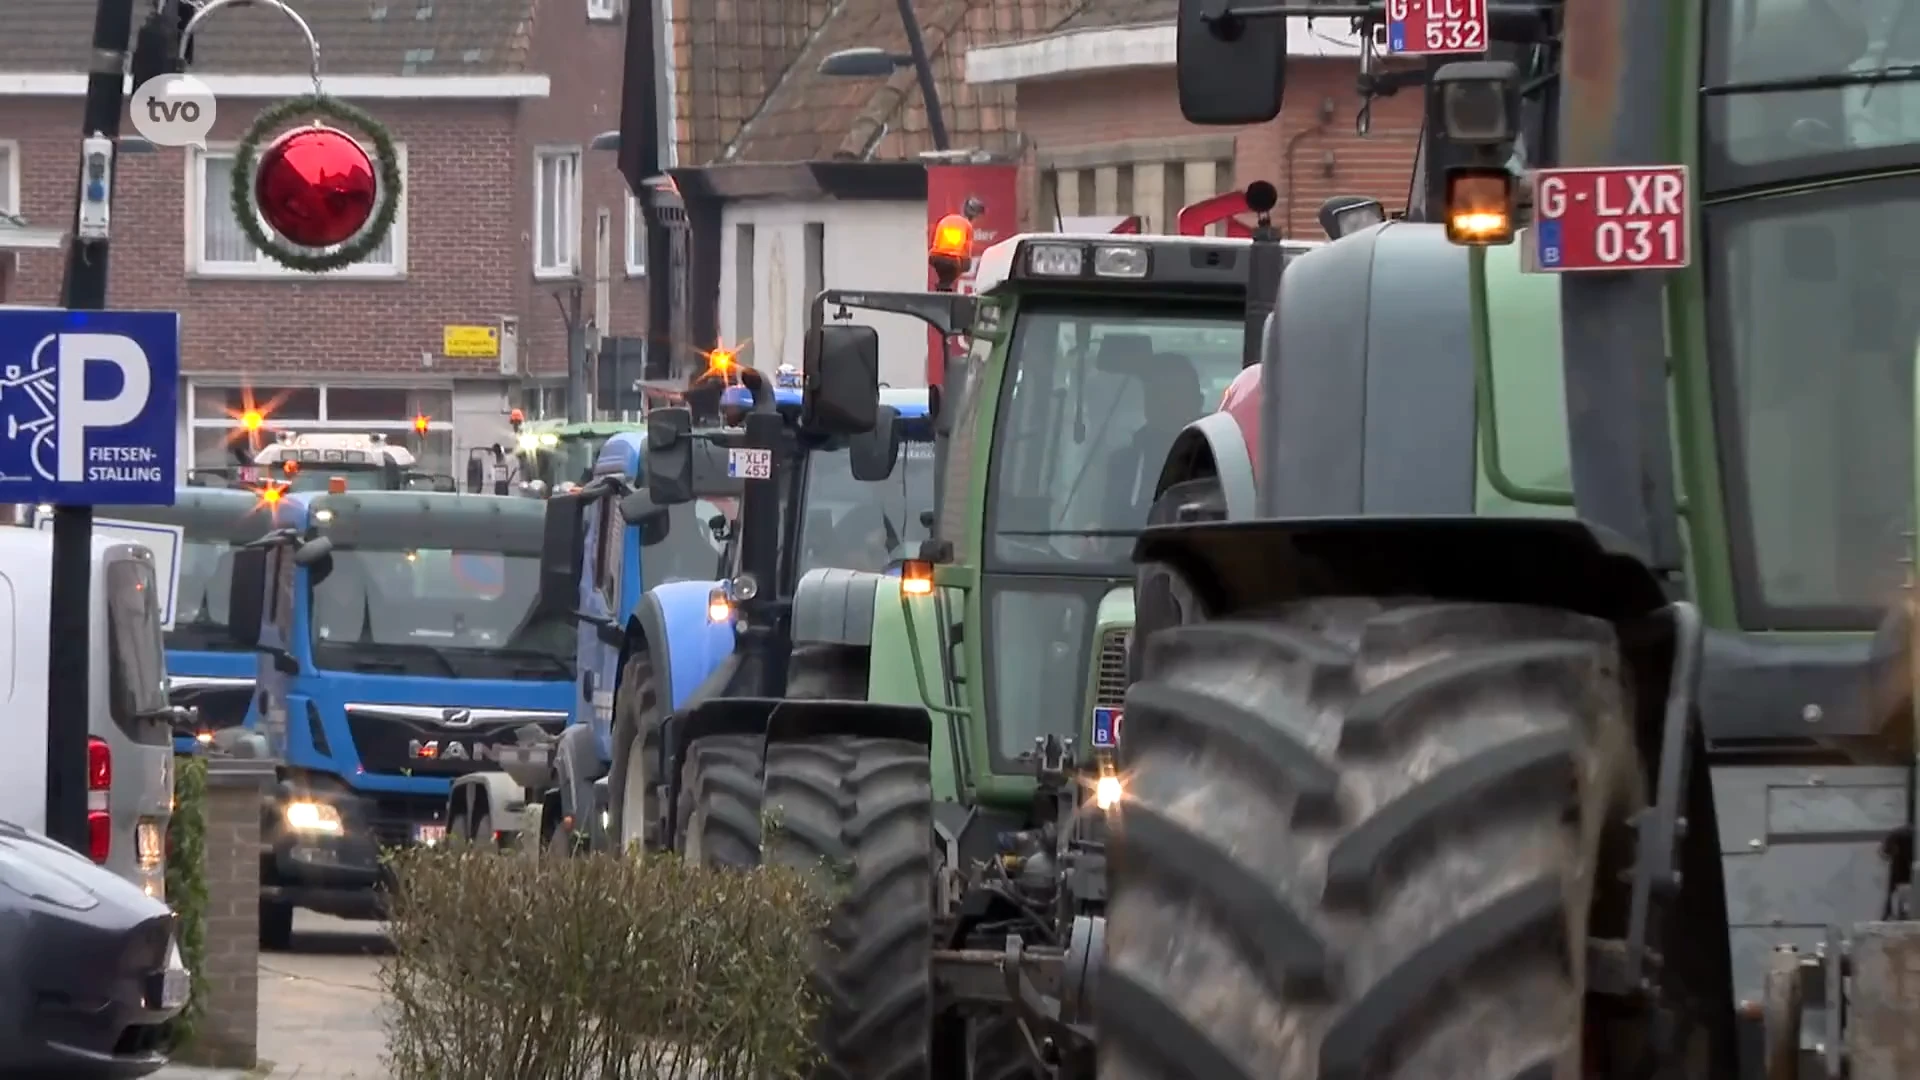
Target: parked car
(90, 966)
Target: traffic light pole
(68, 638)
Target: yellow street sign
(479, 342)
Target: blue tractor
(606, 546)
(648, 654)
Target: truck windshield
(368, 477)
(859, 525)
(1096, 393)
(1816, 306)
(437, 612)
(200, 603)
(1761, 41)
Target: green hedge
(602, 968)
(187, 885)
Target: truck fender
(493, 793)
(835, 607)
(687, 647)
(1214, 445)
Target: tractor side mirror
(842, 394)
(247, 595)
(669, 457)
(1230, 70)
(562, 549)
(872, 454)
(637, 508)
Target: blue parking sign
(89, 402)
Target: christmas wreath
(247, 212)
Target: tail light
(99, 813)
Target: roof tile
(356, 37)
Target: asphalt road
(319, 1006)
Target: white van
(130, 733)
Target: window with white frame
(636, 237)
(556, 213)
(217, 246)
(9, 176)
(214, 411)
(602, 9)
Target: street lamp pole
(923, 67)
(70, 584)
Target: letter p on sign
(77, 413)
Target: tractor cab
(323, 461)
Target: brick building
(492, 104)
(1101, 116)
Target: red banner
(994, 192)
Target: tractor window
(1816, 309)
(1766, 40)
(860, 525)
(1096, 393)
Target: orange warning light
(252, 419)
(336, 485)
(291, 468)
(270, 493)
(420, 423)
(722, 360)
(952, 238)
(516, 418)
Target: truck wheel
(1361, 840)
(458, 834)
(483, 838)
(276, 926)
(718, 816)
(634, 810)
(859, 813)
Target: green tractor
(1549, 714)
(963, 789)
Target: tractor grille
(1110, 691)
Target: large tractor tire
(1360, 842)
(633, 813)
(997, 1050)
(858, 814)
(718, 818)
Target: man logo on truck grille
(450, 750)
(457, 717)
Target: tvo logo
(173, 110)
(59, 414)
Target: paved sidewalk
(319, 1008)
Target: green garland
(357, 247)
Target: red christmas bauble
(315, 186)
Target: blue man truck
(402, 643)
(207, 671)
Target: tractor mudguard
(1239, 565)
(793, 720)
(1216, 445)
(834, 607)
(686, 646)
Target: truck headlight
(1108, 791)
(304, 815)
